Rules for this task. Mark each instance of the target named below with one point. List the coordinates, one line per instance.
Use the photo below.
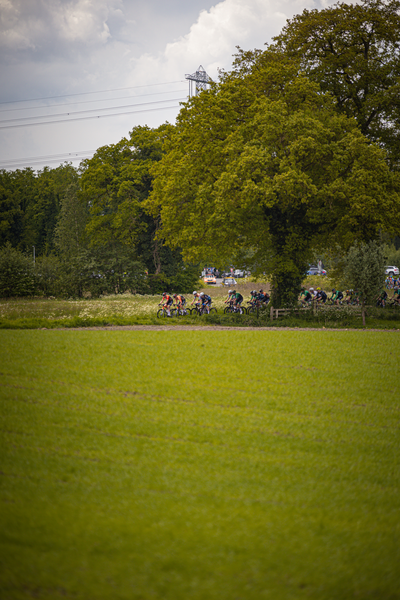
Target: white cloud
(211, 41)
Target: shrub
(16, 273)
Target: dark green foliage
(182, 280)
(17, 194)
(102, 270)
(42, 214)
(352, 51)
(16, 273)
(364, 270)
(47, 275)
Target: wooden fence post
(271, 313)
(314, 306)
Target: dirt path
(210, 328)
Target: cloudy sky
(67, 65)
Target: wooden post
(314, 306)
(271, 313)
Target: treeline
(68, 232)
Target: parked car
(210, 279)
(391, 271)
(315, 271)
(229, 281)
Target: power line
(46, 156)
(87, 118)
(15, 163)
(4, 110)
(98, 92)
(90, 110)
(22, 164)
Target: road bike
(241, 310)
(201, 309)
(162, 312)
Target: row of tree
(89, 228)
(294, 152)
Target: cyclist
(336, 297)
(349, 297)
(396, 295)
(263, 297)
(167, 302)
(321, 296)
(180, 303)
(205, 300)
(381, 298)
(229, 298)
(196, 298)
(307, 296)
(237, 299)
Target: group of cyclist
(200, 299)
(203, 301)
(349, 297)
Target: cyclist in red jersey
(167, 302)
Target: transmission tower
(199, 81)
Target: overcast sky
(60, 59)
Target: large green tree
(115, 184)
(264, 161)
(353, 52)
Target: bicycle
(241, 310)
(162, 312)
(201, 309)
(256, 305)
(181, 312)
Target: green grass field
(215, 465)
(128, 309)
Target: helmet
(261, 292)
(201, 293)
(333, 290)
(234, 292)
(194, 293)
(164, 293)
(175, 295)
(229, 291)
(311, 289)
(318, 289)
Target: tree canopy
(353, 52)
(263, 160)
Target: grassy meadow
(128, 309)
(176, 465)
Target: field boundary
(208, 328)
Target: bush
(16, 273)
(47, 274)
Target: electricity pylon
(198, 80)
